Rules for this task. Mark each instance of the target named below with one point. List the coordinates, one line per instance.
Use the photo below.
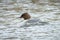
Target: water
(44, 24)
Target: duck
(31, 21)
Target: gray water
(43, 25)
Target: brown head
(25, 16)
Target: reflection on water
(44, 25)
